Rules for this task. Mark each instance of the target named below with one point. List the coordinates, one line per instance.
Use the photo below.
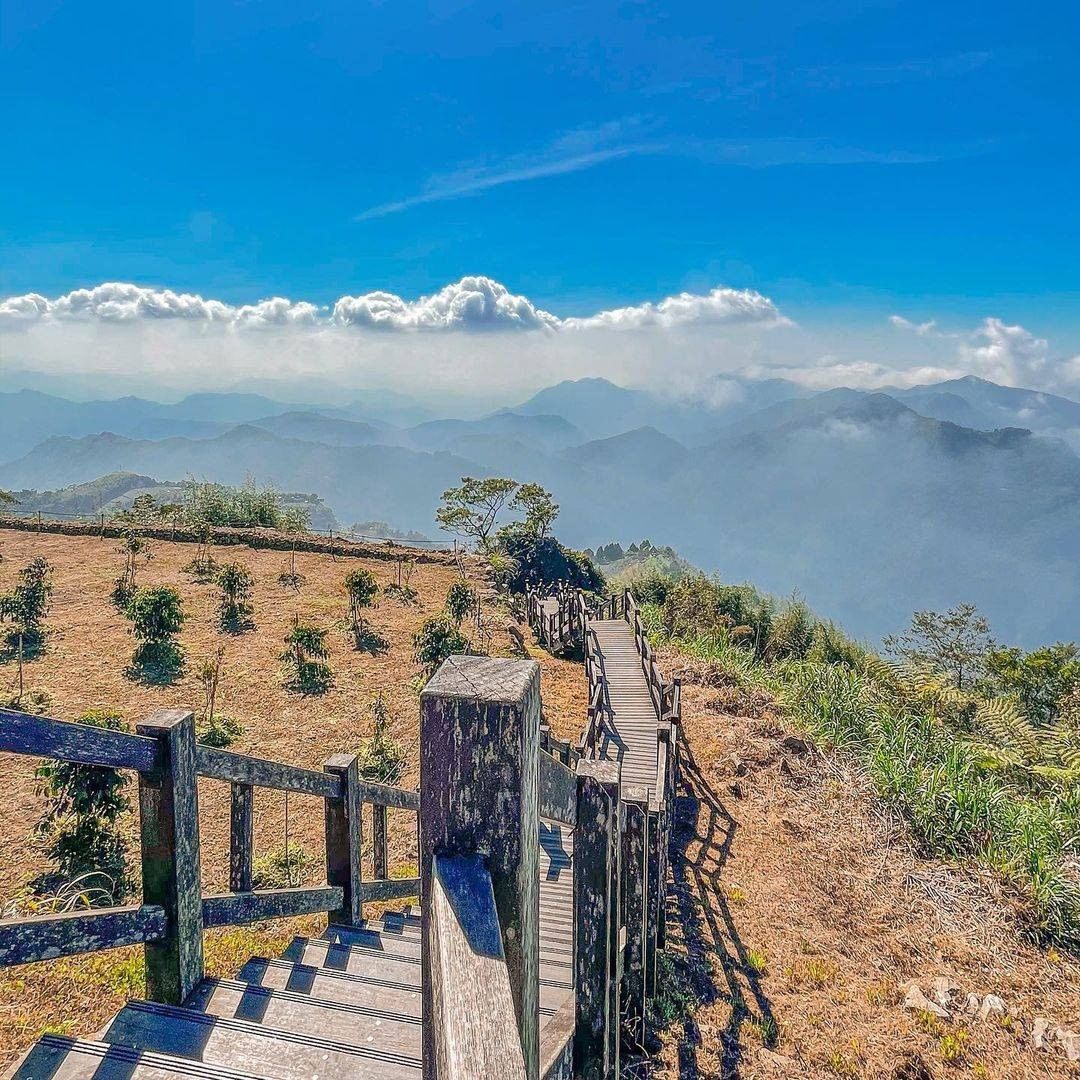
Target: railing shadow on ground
(699, 907)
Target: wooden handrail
(557, 791)
(473, 1023)
(46, 937)
(40, 736)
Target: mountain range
(872, 503)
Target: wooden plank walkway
(630, 719)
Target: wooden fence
(174, 911)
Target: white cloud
(276, 311)
(473, 303)
(719, 306)
(23, 309)
(828, 372)
(1007, 354)
(922, 329)
(117, 301)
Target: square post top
(489, 679)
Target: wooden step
(324, 984)
(391, 944)
(354, 960)
(275, 1053)
(56, 1057)
(349, 1024)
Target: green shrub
(132, 548)
(235, 582)
(652, 587)
(831, 645)
(282, 867)
(362, 588)
(531, 561)
(157, 616)
(437, 639)
(248, 506)
(27, 605)
(460, 602)
(699, 604)
(305, 660)
(791, 634)
(382, 760)
(400, 588)
(81, 825)
(219, 731)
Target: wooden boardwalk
(629, 734)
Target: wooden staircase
(345, 1004)
(542, 873)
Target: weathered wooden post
(240, 837)
(596, 921)
(344, 839)
(634, 880)
(169, 825)
(379, 851)
(479, 746)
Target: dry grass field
(83, 667)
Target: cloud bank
(472, 303)
(477, 339)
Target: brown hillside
(83, 666)
(798, 911)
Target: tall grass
(965, 780)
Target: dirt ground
(83, 667)
(799, 912)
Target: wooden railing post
(345, 839)
(634, 902)
(597, 921)
(380, 856)
(240, 837)
(169, 825)
(479, 747)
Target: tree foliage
(529, 561)
(538, 506)
(472, 510)
(953, 643)
(1042, 680)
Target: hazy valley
(870, 503)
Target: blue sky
(847, 159)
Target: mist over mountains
(871, 503)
